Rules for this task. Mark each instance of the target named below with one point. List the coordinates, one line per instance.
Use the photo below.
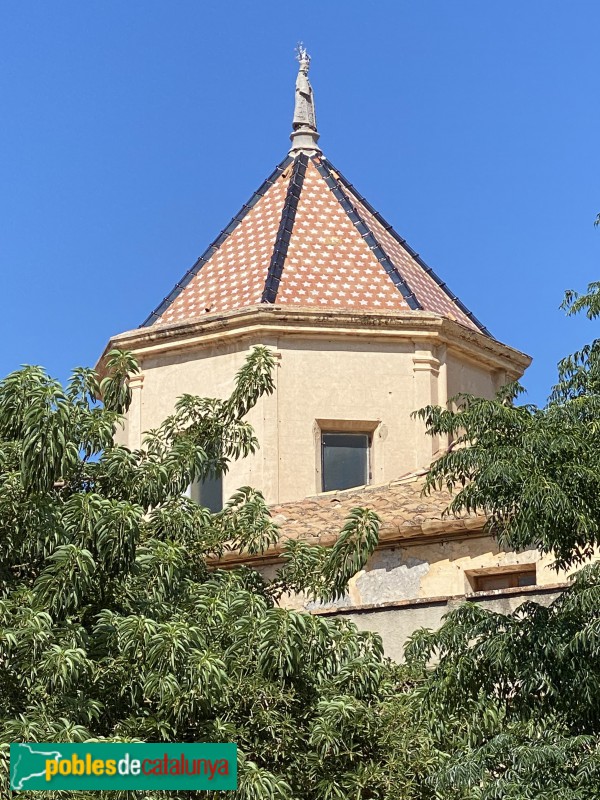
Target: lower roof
(405, 512)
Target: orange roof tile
(307, 239)
(405, 514)
(328, 262)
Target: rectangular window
(512, 579)
(208, 493)
(344, 460)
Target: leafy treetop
(115, 622)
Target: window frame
(511, 574)
(366, 450)
(362, 427)
(215, 478)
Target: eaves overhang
(266, 320)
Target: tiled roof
(307, 239)
(404, 511)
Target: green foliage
(114, 623)
(323, 573)
(513, 701)
(534, 471)
(516, 699)
(589, 302)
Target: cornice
(415, 327)
(392, 533)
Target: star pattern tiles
(328, 262)
(431, 296)
(234, 275)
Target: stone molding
(441, 600)
(418, 329)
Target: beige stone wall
(413, 585)
(208, 372)
(395, 624)
(427, 569)
(330, 385)
(467, 376)
(321, 384)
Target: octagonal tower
(364, 332)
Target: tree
(514, 701)
(115, 623)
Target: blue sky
(133, 131)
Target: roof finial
(304, 135)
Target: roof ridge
(284, 233)
(224, 234)
(412, 253)
(325, 168)
(335, 495)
